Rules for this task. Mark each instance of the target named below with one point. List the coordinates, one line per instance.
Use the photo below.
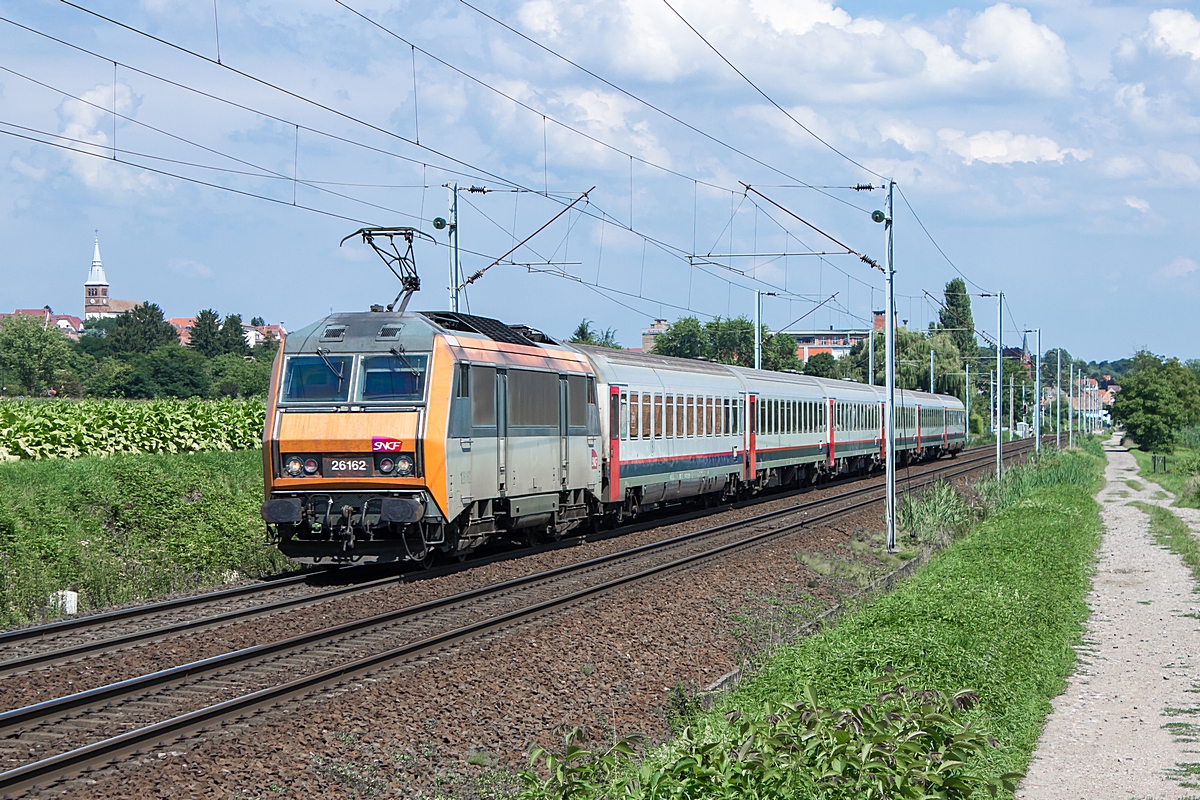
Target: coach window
(708, 417)
(635, 415)
(691, 415)
(483, 396)
(577, 400)
(679, 416)
(646, 416)
(658, 416)
(623, 423)
(670, 418)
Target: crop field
(39, 429)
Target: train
(411, 436)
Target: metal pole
(453, 228)
(757, 329)
(1037, 420)
(968, 401)
(999, 384)
(871, 353)
(1011, 407)
(1058, 402)
(1071, 405)
(931, 384)
(889, 413)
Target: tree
(779, 352)
(170, 371)
(32, 352)
(142, 330)
(1156, 399)
(584, 334)
(731, 341)
(96, 339)
(234, 376)
(231, 337)
(821, 365)
(205, 334)
(957, 315)
(683, 338)
(258, 322)
(109, 378)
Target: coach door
(564, 443)
(502, 429)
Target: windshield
(310, 379)
(393, 378)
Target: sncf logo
(385, 444)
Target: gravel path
(1116, 732)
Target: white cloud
(1179, 267)
(912, 138)
(1005, 147)
(1030, 55)
(1179, 165)
(798, 17)
(1123, 167)
(188, 268)
(91, 123)
(540, 17)
(1137, 203)
(1176, 32)
(28, 170)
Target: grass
(1137, 486)
(1182, 465)
(127, 527)
(1000, 611)
(1174, 534)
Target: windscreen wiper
(399, 353)
(323, 352)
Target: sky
(1047, 150)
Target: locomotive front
(353, 440)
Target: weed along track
(61, 737)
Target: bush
(34, 429)
(127, 527)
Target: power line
(961, 274)
(653, 107)
(766, 96)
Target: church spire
(96, 273)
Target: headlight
(404, 465)
(294, 466)
(310, 466)
(386, 465)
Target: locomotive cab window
(317, 379)
(393, 378)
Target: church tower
(95, 289)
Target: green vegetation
(127, 527)
(999, 612)
(726, 341)
(1174, 534)
(1137, 486)
(135, 355)
(585, 334)
(1182, 477)
(1158, 398)
(34, 429)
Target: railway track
(74, 638)
(69, 734)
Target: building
(653, 332)
(70, 325)
(96, 302)
(254, 335)
(836, 342)
(183, 327)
